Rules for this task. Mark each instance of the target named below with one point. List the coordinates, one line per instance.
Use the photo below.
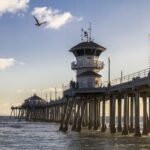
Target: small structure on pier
(33, 108)
(34, 101)
(87, 63)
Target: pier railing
(123, 79)
(127, 78)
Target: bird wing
(36, 20)
(43, 22)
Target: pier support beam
(68, 115)
(119, 114)
(85, 117)
(110, 111)
(64, 114)
(95, 114)
(81, 117)
(149, 115)
(90, 123)
(76, 115)
(103, 129)
(137, 114)
(126, 115)
(19, 113)
(99, 114)
(113, 110)
(131, 129)
(145, 128)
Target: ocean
(21, 135)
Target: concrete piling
(137, 114)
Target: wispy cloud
(13, 6)
(6, 62)
(21, 63)
(54, 17)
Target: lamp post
(121, 76)
(149, 62)
(108, 71)
(149, 56)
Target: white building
(87, 64)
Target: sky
(37, 59)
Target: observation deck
(96, 65)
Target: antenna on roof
(90, 31)
(86, 35)
(82, 34)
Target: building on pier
(87, 64)
(33, 108)
(34, 101)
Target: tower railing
(96, 64)
(130, 77)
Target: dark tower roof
(88, 45)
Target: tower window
(97, 53)
(80, 52)
(89, 51)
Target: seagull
(39, 23)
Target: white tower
(87, 63)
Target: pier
(80, 108)
(83, 104)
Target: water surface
(15, 135)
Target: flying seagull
(39, 23)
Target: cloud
(13, 6)
(54, 17)
(6, 62)
(21, 63)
